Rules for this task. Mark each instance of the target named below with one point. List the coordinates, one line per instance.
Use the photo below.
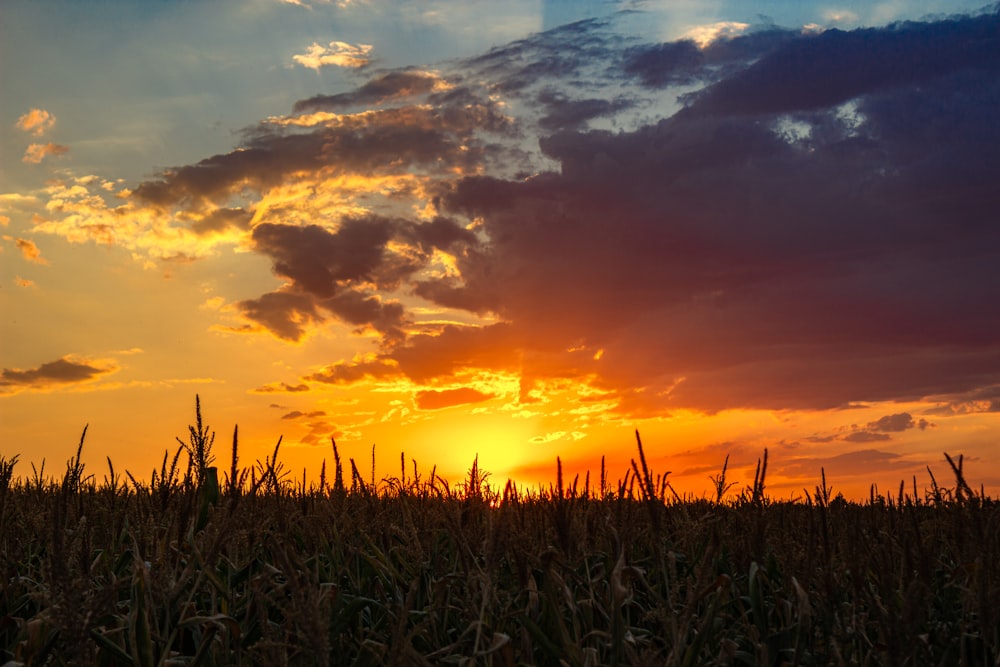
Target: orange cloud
(445, 398)
(30, 251)
(35, 153)
(36, 122)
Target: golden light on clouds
(705, 35)
(35, 153)
(36, 122)
(338, 54)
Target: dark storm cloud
(63, 371)
(827, 69)
(684, 62)
(721, 261)
(674, 63)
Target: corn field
(254, 567)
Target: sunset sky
(517, 230)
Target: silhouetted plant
(410, 570)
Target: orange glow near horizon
(454, 251)
(521, 447)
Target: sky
(519, 231)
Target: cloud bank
(752, 218)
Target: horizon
(508, 232)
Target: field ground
(258, 569)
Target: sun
(454, 441)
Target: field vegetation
(252, 566)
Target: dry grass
(259, 568)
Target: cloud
(65, 371)
(221, 220)
(35, 153)
(720, 265)
(308, 4)
(11, 200)
(562, 113)
(570, 52)
(893, 423)
(704, 35)
(881, 429)
(436, 399)
(810, 227)
(36, 122)
(317, 259)
(281, 388)
(388, 87)
(686, 61)
(826, 69)
(333, 272)
(978, 400)
(866, 436)
(355, 153)
(355, 371)
(668, 63)
(30, 251)
(848, 464)
(338, 54)
(296, 414)
(285, 314)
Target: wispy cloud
(35, 153)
